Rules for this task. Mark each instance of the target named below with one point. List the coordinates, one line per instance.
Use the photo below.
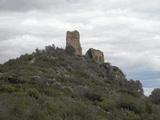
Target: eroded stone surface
(96, 55)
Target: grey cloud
(29, 5)
(150, 7)
(25, 5)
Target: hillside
(55, 84)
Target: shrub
(7, 88)
(93, 97)
(155, 96)
(108, 104)
(32, 92)
(70, 50)
(130, 103)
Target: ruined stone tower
(96, 55)
(73, 40)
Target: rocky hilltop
(58, 84)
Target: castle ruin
(73, 40)
(96, 55)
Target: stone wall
(73, 40)
(96, 55)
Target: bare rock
(96, 55)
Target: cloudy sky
(128, 31)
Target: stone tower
(96, 55)
(73, 40)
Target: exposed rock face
(73, 40)
(96, 55)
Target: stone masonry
(73, 40)
(96, 55)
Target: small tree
(155, 96)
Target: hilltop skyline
(127, 31)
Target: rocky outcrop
(96, 55)
(73, 40)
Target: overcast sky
(128, 31)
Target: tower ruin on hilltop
(73, 40)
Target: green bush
(130, 103)
(32, 92)
(108, 104)
(155, 96)
(7, 88)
